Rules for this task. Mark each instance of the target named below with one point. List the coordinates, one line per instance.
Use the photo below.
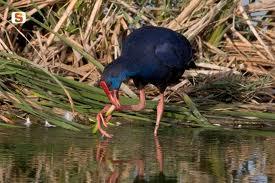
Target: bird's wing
(169, 55)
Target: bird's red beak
(112, 95)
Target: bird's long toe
(156, 130)
(107, 120)
(103, 120)
(99, 118)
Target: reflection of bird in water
(115, 165)
(159, 178)
(150, 55)
(105, 163)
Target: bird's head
(113, 75)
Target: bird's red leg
(105, 121)
(100, 119)
(103, 132)
(136, 107)
(108, 118)
(160, 108)
(114, 98)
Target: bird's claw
(100, 119)
(104, 122)
(156, 130)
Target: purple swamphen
(154, 55)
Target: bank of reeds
(50, 64)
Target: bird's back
(157, 41)
(156, 55)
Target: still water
(134, 155)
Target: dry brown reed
(227, 37)
(97, 27)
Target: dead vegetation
(234, 43)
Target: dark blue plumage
(150, 54)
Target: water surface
(134, 155)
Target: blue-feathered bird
(154, 55)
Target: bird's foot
(108, 110)
(105, 121)
(100, 119)
(156, 130)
